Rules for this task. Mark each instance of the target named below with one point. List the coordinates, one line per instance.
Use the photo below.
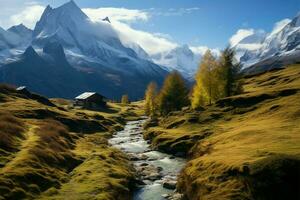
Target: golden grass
(11, 133)
(44, 159)
(105, 173)
(240, 132)
(48, 142)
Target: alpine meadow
(149, 100)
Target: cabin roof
(21, 88)
(87, 95)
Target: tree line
(216, 78)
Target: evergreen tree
(150, 99)
(229, 73)
(173, 95)
(125, 99)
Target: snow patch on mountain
(181, 58)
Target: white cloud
(152, 43)
(19, 11)
(280, 25)
(239, 35)
(29, 16)
(116, 14)
(200, 50)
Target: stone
(166, 196)
(170, 184)
(139, 182)
(153, 176)
(180, 154)
(177, 196)
(159, 169)
(144, 164)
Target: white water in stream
(131, 141)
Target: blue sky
(195, 22)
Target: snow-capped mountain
(94, 49)
(181, 58)
(250, 44)
(279, 48)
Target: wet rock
(149, 172)
(137, 157)
(176, 196)
(154, 176)
(144, 164)
(172, 157)
(166, 196)
(139, 183)
(133, 157)
(180, 154)
(159, 169)
(144, 157)
(170, 184)
(151, 123)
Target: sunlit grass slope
(49, 150)
(243, 147)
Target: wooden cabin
(90, 100)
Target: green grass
(227, 141)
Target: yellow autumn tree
(205, 90)
(150, 99)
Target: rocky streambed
(157, 171)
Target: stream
(158, 171)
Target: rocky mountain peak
(30, 52)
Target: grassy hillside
(49, 150)
(242, 147)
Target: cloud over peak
(240, 35)
(116, 14)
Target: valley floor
(242, 147)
